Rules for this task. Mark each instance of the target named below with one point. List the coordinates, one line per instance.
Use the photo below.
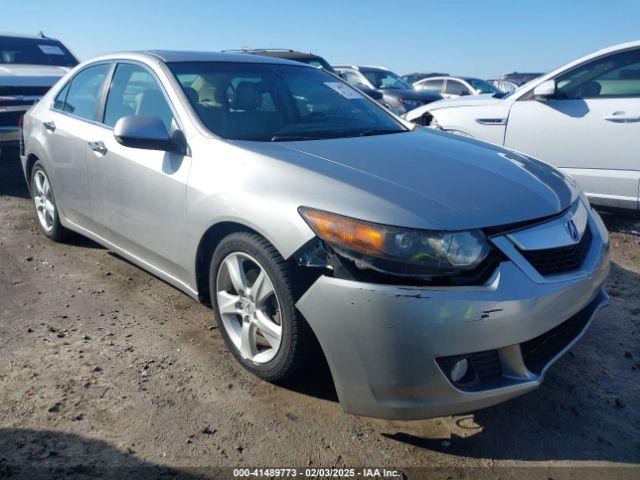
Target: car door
(66, 128)
(139, 196)
(590, 128)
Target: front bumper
(382, 342)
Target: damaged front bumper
(389, 347)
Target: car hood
(445, 181)
(423, 95)
(466, 101)
(31, 75)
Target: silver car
(436, 274)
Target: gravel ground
(106, 369)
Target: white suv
(583, 117)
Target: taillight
(20, 121)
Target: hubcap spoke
(236, 273)
(228, 303)
(248, 346)
(262, 288)
(272, 332)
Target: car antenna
(42, 35)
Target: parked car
(436, 274)
(308, 58)
(412, 78)
(583, 118)
(453, 87)
(29, 66)
(505, 86)
(520, 78)
(397, 95)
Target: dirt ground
(106, 369)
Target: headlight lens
(399, 250)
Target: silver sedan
(435, 274)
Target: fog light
(459, 370)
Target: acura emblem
(573, 230)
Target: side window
(456, 88)
(134, 91)
(616, 75)
(352, 77)
(61, 98)
(433, 85)
(84, 92)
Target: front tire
(254, 307)
(45, 203)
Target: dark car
(308, 58)
(520, 78)
(397, 95)
(29, 66)
(412, 78)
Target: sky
(477, 38)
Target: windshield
(482, 87)
(385, 79)
(272, 102)
(35, 51)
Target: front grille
(12, 91)
(559, 260)
(539, 351)
(485, 371)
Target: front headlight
(396, 250)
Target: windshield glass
(272, 102)
(385, 79)
(481, 86)
(35, 51)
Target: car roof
(169, 56)
(274, 52)
(30, 37)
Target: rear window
(35, 51)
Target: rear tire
(45, 202)
(259, 305)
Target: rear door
(139, 196)
(591, 128)
(66, 128)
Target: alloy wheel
(43, 198)
(249, 307)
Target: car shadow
(39, 454)
(12, 181)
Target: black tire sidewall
(273, 265)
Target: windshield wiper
(286, 138)
(369, 133)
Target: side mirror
(138, 131)
(545, 90)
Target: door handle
(98, 147)
(49, 126)
(622, 117)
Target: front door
(590, 129)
